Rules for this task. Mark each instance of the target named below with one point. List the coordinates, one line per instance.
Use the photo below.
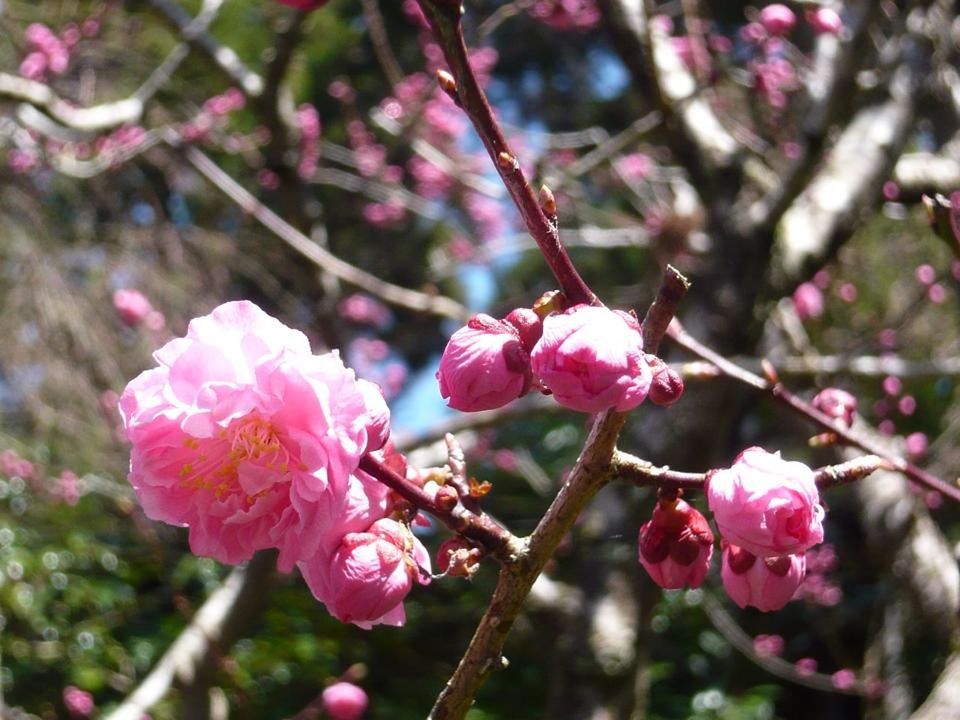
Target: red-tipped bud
(676, 545)
(446, 498)
(528, 325)
(837, 404)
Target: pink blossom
(485, 365)
(591, 359)
(250, 440)
(825, 21)
(917, 445)
(68, 487)
(847, 292)
(79, 703)
(765, 504)
(12, 465)
(344, 701)
(777, 19)
(937, 294)
(845, 679)
(808, 301)
(805, 666)
(837, 404)
(676, 545)
(892, 385)
(768, 645)
(764, 583)
(369, 574)
(33, 66)
(132, 306)
(365, 310)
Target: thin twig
(388, 292)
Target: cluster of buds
(590, 358)
(768, 513)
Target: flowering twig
(787, 398)
(474, 525)
(388, 292)
(444, 16)
(641, 472)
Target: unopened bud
(676, 545)
(549, 203)
(667, 385)
(528, 325)
(836, 404)
(769, 371)
(446, 498)
(446, 82)
(506, 161)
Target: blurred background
(144, 149)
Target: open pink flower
(765, 504)
(592, 359)
(764, 583)
(676, 545)
(250, 440)
(369, 575)
(486, 363)
(344, 701)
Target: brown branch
(327, 261)
(211, 632)
(444, 16)
(799, 406)
(673, 288)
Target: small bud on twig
(769, 371)
(506, 161)
(447, 83)
(549, 204)
(550, 302)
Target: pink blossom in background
(591, 359)
(344, 701)
(566, 14)
(907, 405)
(808, 301)
(824, 21)
(777, 19)
(768, 645)
(485, 365)
(917, 445)
(925, 274)
(765, 504)
(369, 575)
(676, 545)
(845, 679)
(363, 309)
(68, 487)
(805, 666)
(892, 385)
(132, 306)
(837, 404)
(937, 294)
(764, 583)
(250, 440)
(12, 465)
(79, 703)
(634, 166)
(847, 292)
(22, 160)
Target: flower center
(215, 466)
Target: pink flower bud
(765, 504)
(344, 701)
(676, 545)
(808, 301)
(484, 366)
(764, 583)
(591, 359)
(79, 703)
(837, 404)
(132, 306)
(825, 21)
(528, 325)
(370, 574)
(777, 19)
(667, 385)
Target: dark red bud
(739, 559)
(666, 388)
(686, 549)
